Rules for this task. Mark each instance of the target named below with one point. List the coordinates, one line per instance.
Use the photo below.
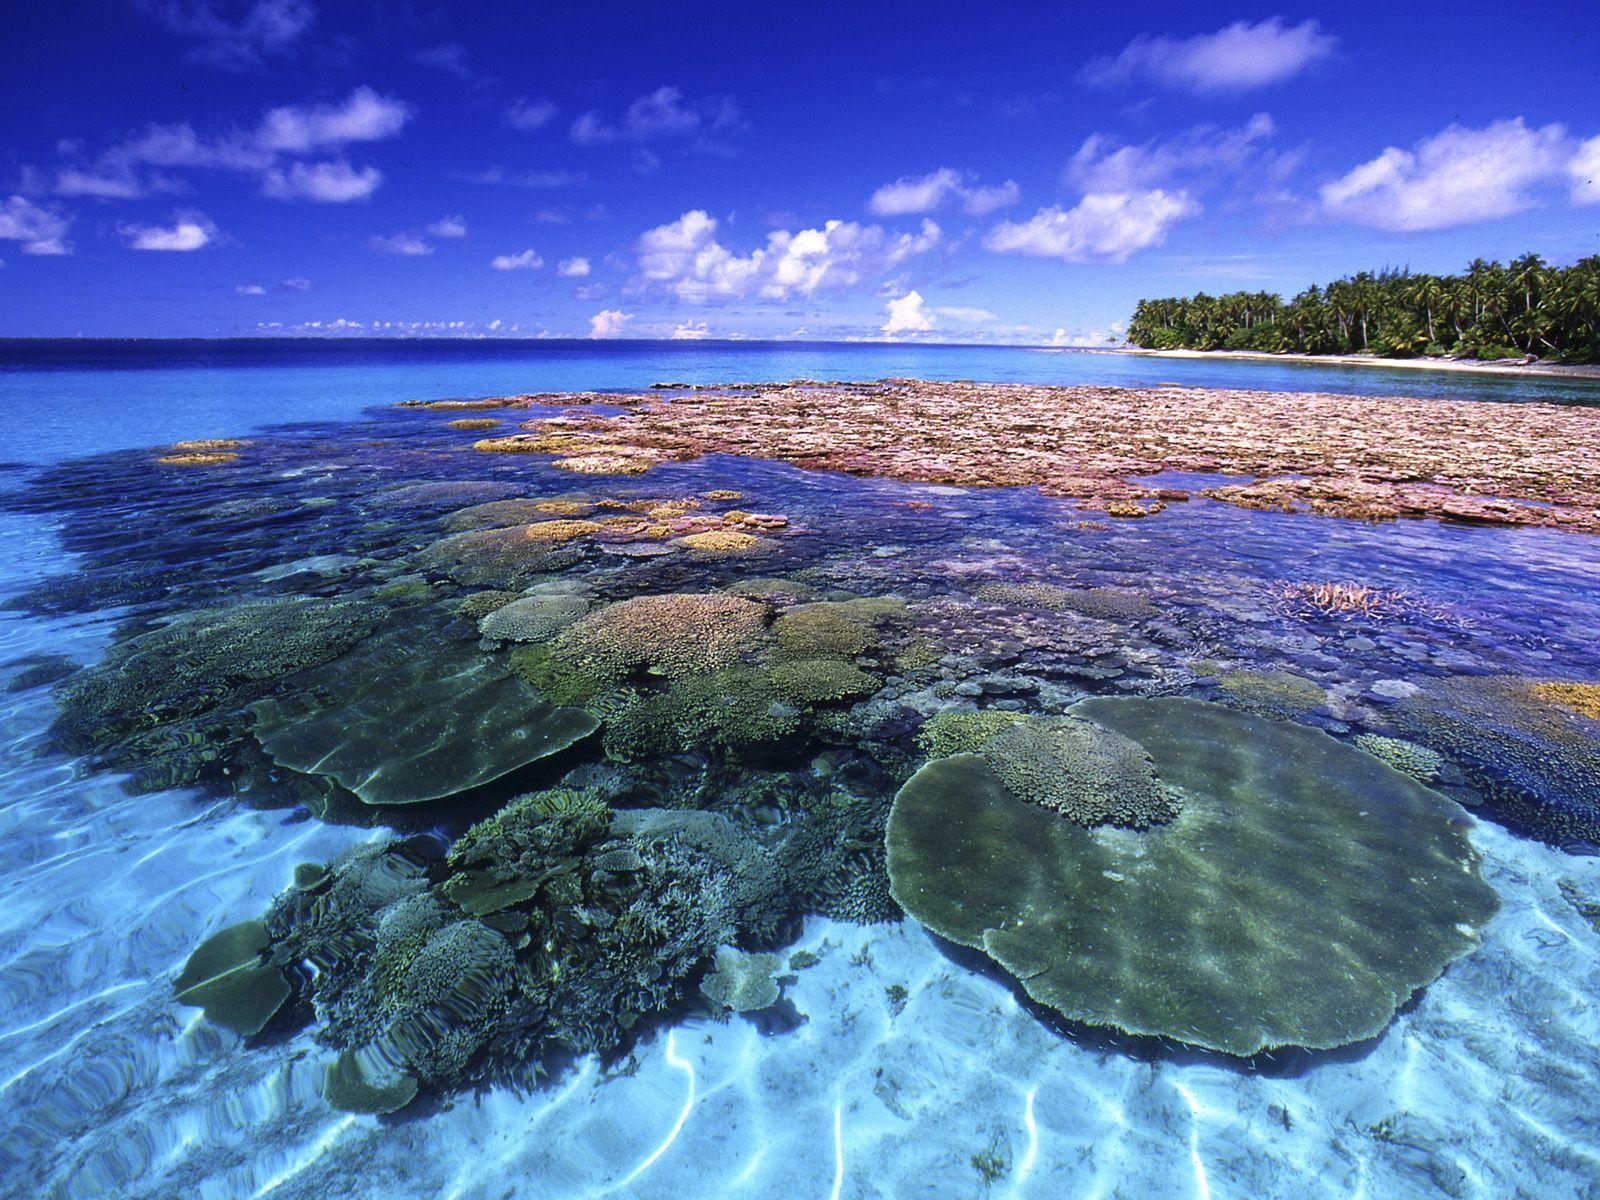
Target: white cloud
(335, 182)
(189, 231)
(282, 133)
(662, 113)
(956, 313)
(528, 115)
(1103, 227)
(1584, 171)
(112, 184)
(267, 27)
(296, 285)
(407, 245)
(1104, 164)
(691, 331)
(525, 179)
(527, 260)
(608, 323)
(573, 268)
(40, 228)
(364, 116)
(908, 315)
(1234, 59)
(250, 289)
(449, 227)
(1453, 178)
(685, 258)
(926, 193)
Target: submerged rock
(1302, 894)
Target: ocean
(296, 650)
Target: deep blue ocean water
(893, 1066)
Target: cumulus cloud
(364, 116)
(608, 323)
(1584, 171)
(406, 245)
(188, 231)
(527, 260)
(1205, 152)
(528, 115)
(1108, 227)
(264, 28)
(335, 182)
(908, 314)
(250, 289)
(1453, 178)
(926, 193)
(685, 258)
(449, 227)
(42, 229)
(283, 133)
(691, 331)
(573, 268)
(663, 113)
(1234, 59)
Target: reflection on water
(325, 626)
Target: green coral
(1102, 603)
(675, 634)
(736, 710)
(1273, 693)
(742, 982)
(558, 680)
(1304, 892)
(533, 618)
(228, 977)
(957, 732)
(805, 681)
(1085, 772)
(1406, 757)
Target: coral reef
(1535, 763)
(1353, 456)
(533, 618)
(228, 978)
(1272, 693)
(1581, 698)
(672, 634)
(409, 717)
(1406, 757)
(954, 731)
(742, 982)
(1087, 773)
(1302, 895)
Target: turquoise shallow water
(894, 1065)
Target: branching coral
(673, 634)
(533, 618)
(1087, 773)
(1272, 693)
(1406, 757)
(954, 732)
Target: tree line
(1490, 310)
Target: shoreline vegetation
(1495, 366)
(1119, 452)
(1491, 311)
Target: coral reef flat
(426, 807)
(1370, 458)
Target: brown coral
(673, 634)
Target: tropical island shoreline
(1475, 365)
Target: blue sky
(1000, 172)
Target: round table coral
(1304, 891)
